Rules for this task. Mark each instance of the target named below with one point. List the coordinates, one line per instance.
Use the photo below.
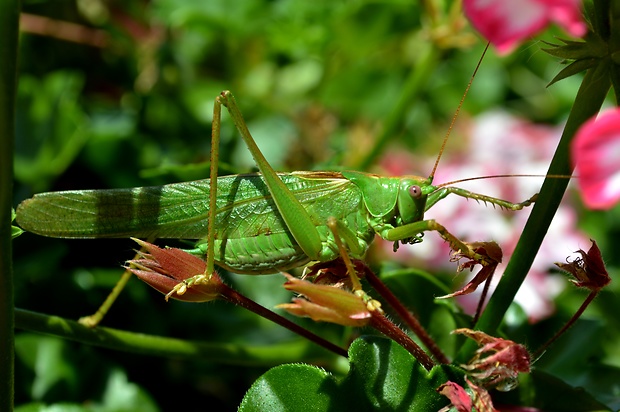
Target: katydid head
(413, 192)
(397, 200)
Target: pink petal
(567, 14)
(459, 398)
(506, 23)
(596, 155)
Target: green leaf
(614, 73)
(417, 291)
(47, 358)
(60, 375)
(56, 407)
(122, 395)
(15, 231)
(52, 126)
(575, 358)
(575, 67)
(382, 376)
(294, 387)
(593, 47)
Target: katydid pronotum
(262, 222)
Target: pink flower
(459, 398)
(498, 362)
(463, 401)
(506, 23)
(596, 155)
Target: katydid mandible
(257, 223)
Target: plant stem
(588, 101)
(232, 296)
(389, 329)
(568, 324)
(483, 298)
(408, 317)
(139, 343)
(9, 25)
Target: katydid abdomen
(250, 237)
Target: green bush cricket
(263, 222)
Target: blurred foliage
(120, 94)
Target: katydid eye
(415, 191)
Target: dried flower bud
(176, 273)
(492, 254)
(589, 269)
(497, 362)
(464, 401)
(326, 303)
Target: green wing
(180, 210)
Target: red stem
(483, 298)
(383, 325)
(568, 324)
(232, 296)
(408, 317)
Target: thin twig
(232, 296)
(385, 326)
(408, 317)
(63, 30)
(568, 324)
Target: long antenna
(456, 113)
(469, 179)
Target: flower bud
(326, 303)
(176, 273)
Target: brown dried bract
(492, 255)
(497, 362)
(589, 269)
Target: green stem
(9, 25)
(223, 353)
(588, 101)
